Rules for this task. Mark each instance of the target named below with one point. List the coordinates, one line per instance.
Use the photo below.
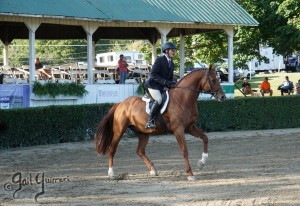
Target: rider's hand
(170, 84)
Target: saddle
(149, 101)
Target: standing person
(122, 69)
(286, 86)
(161, 75)
(265, 87)
(297, 88)
(246, 87)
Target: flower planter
(49, 98)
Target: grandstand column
(90, 57)
(181, 49)
(5, 54)
(229, 31)
(163, 32)
(32, 27)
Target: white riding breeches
(155, 95)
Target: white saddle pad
(163, 108)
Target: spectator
(38, 64)
(122, 69)
(246, 87)
(44, 73)
(265, 87)
(286, 86)
(297, 88)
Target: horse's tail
(104, 133)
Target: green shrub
(48, 125)
(55, 89)
(56, 124)
(249, 114)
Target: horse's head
(211, 84)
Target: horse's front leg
(184, 151)
(196, 132)
(141, 151)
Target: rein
(213, 93)
(190, 89)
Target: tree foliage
(279, 24)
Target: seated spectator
(44, 72)
(286, 86)
(297, 88)
(38, 64)
(265, 87)
(246, 87)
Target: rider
(161, 75)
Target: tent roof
(118, 19)
(194, 11)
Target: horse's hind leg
(141, 151)
(112, 150)
(196, 132)
(111, 154)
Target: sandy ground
(243, 168)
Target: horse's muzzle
(220, 96)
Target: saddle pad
(147, 99)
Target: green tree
(278, 27)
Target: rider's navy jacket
(160, 73)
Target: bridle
(212, 92)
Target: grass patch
(275, 80)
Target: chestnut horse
(179, 118)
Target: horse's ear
(211, 68)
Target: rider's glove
(170, 84)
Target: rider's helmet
(168, 45)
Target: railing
(70, 72)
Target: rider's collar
(169, 59)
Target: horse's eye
(213, 81)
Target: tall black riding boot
(151, 118)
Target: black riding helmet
(168, 45)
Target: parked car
(245, 73)
(291, 63)
(223, 73)
(224, 69)
(200, 65)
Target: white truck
(133, 58)
(275, 62)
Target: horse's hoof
(191, 178)
(153, 173)
(200, 164)
(111, 172)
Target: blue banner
(14, 96)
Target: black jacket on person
(160, 74)
(38, 66)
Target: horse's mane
(190, 73)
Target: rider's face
(171, 53)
